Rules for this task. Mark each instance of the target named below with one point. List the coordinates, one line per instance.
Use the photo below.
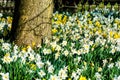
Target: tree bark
(34, 22)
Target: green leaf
(116, 6)
(101, 5)
(108, 5)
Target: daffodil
(7, 58)
(64, 19)
(98, 24)
(82, 78)
(33, 66)
(90, 22)
(5, 76)
(3, 19)
(116, 36)
(9, 19)
(111, 33)
(33, 44)
(99, 69)
(24, 49)
(54, 30)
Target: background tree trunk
(34, 21)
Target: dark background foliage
(70, 5)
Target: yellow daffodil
(33, 44)
(28, 47)
(91, 32)
(116, 36)
(82, 78)
(98, 24)
(111, 33)
(78, 21)
(100, 31)
(90, 22)
(54, 31)
(33, 66)
(58, 22)
(24, 49)
(64, 19)
(104, 35)
(94, 29)
(9, 19)
(59, 17)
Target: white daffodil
(64, 43)
(117, 64)
(31, 57)
(5, 76)
(58, 48)
(73, 74)
(50, 69)
(6, 46)
(62, 74)
(40, 64)
(7, 58)
(47, 51)
(42, 73)
(98, 76)
(66, 52)
(57, 55)
(111, 65)
(54, 77)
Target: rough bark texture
(34, 23)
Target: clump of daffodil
(59, 19)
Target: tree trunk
(34, 22)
